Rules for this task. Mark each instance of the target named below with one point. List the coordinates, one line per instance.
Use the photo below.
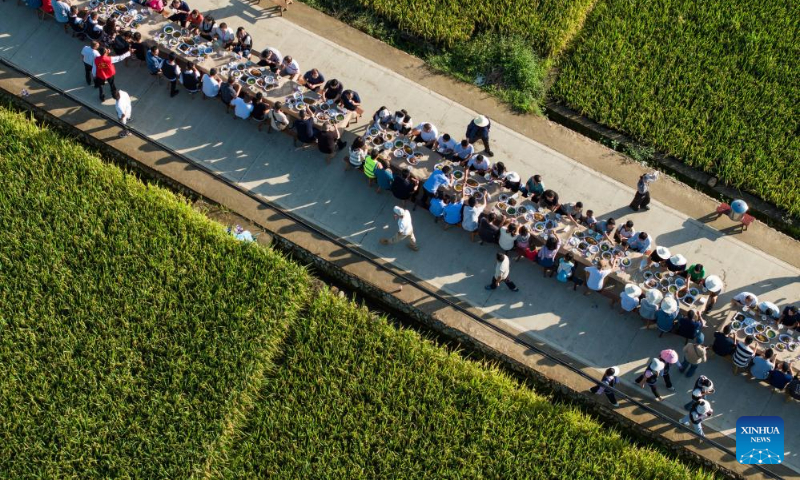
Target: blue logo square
(759, 440)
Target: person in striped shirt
(744, 353)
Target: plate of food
(459, 187)
(540, 218)
(688, 299)
(121, 7)
(694, 292)
(94, 4)
(591, 241)
(173, 43)
(650, 283)
(520, 210)
(761, 338)
(169, 29)
(323, 116)
(377, 141)
(250, 81)
(593, 249)
(472, 182)
(792, 346)
(529, 218)
(647, 275)
(503, 197)
(573, 242)
(339, 117)
(539, 227)
(626, 262)
(176, 35)
(399, 153)
(581, 246)
(412, 159)
(749, 330)
(780, 347)
(511, 210)
(770, 333)
(386, 145)
(606, 255)
(478, 196)
(736, 325)
(459, 174)
(760, 328)
(785, 338)
(672, 289)
(183, 47)
(604, 247)
(739, 316)
(398, 144)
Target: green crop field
(714, 83)
(138, 340)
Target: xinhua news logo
(759, 440)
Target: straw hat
(512, 177)
(654, 296)
(616, 371)
(662, 252)
(713, 283)
(670, 356)
(678, 260)
(669, 305)
(703, 407)
(632, 290)
(656, 365)
(481, 121)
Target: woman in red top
(105, 71)
(47, 6)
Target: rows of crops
(138, 340)
(714, 83)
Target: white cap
(632, 290)
(662, 252)
(713, 283)
(697, 392)
(656, 365)
(669, 305)
(703, 407)
(654, 296)
(481, 121)
(398, 211)
(616, 371)
(512, 177)
(678, 260)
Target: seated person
(180, 12)
(190, 78)
(780, 376)
(194, 22)
(445, 146)
(405, 186)
(549, 200)
(260, 110)
(350, 100)
(604, 227)
(225, 35)
(453, 211)
(624, 232)
(676, 263)
(211, 84)
(332, 90)
(566, 271)
(724, 341)
(789, 318)
(229, 91)
(471, 215)
(271, 58)
(573, 211)
(745, 299)
(479, 163)
(384, 175)
(207, 26)
(588, 220)
(641, 243)
(304, 128)
(313, 80)
(382, 118)
(122, 43)
(277, 119)
(439, 178)
(93, 28)
(438, 203)
(243, 42)
(61, 12)
(290, 68)
(358, 152)
(138, 47)
(534, 188)
(242, 108)
(402, 125)
(763, 364)
(329, 141)
(463, 151)
(660, 255)
(511, 181)
(154, 62)
(489, 228)
(425, 133)
(76, 22)
(690, 325)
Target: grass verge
(131, 328)
(355, 397)
(714, 84)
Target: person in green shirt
(695, 273)
(369, 165)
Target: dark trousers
(609, 394)
(98, 83)
(173, 86)
(496, 283)
(426, 196)
(485, 142)
(640, 200)
(179, 17)
(653, 386)
(88, 69)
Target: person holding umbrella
(607, 383)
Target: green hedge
(132, 330)
(714, 83)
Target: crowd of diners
(434, 193)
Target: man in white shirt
(641, 243)
(745, 299)
(88, 54)
(225, 34)
(471, 214)
(211, 83)
(242, 108)
(463, 151)
(290, 68)
(123, 105)
(426, 133)
(445, 145)
(479, 163)
(502, 268)
(404, 229)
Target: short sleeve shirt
(596, 277)
(471, 215)
(452, 213)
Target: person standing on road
(650, 376)
(501, 270)
(88, 54)
(123, 104)
(693, 355)
(105, 71)
(172, 72)
(702, 387)
(478, 129)
(641, 199)
(697, 415)
(609, 381)
(404, 229)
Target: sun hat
(656, 365)
(398, 211)
(632, 290)
(616, 371)
(662, 252)
(678, 260)
(512, 177)
(481, 121)
(654, 296)
(669, 305)
(713, 283)
(703, 407)
(670, 356)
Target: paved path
(339, 201)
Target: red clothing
(104, 67)
(47, 6)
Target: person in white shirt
(404, 229)
(471, 214)
(123, 105)
(88, 54)
(211, 83)
(596, 276)
(745, 299)
(629, 298)
(641, 243)
(479, 163)
(426, 133)
(502, 269)
(225, 34)
(242, 108)
(445, 145)
(290, 68)
(277, 119)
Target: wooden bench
(725, 209)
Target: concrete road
(340, 202)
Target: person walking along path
(404, 229)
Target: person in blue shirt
(350, 100)
(384, 175)
(478, 129)
(437, 179)
(438, 204)
(61, 13)
(304, 128)
(154, 62)
(780, 376)
(453, 211)
(689, 326)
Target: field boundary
(383, 283)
